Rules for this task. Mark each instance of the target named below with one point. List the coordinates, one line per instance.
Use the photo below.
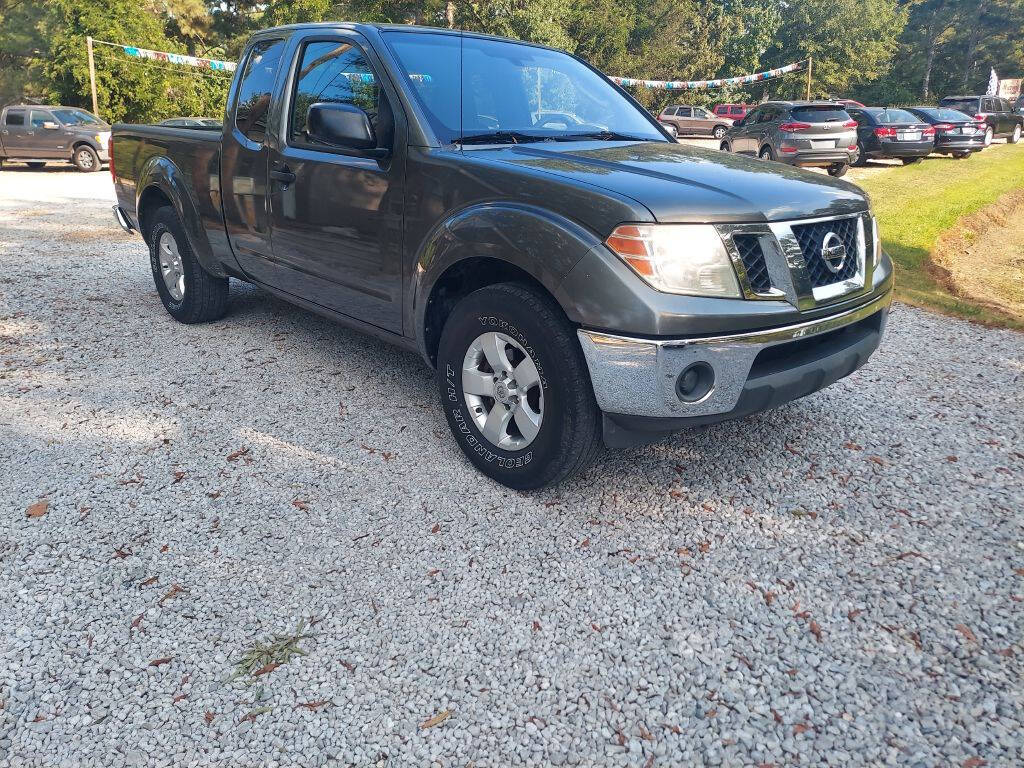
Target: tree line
(877, 51)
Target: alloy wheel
(171, 268)
(85, 161)
(502, 389)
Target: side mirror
(342, 125)
(50, 125)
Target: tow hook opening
(695, 382)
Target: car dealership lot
(838, 581)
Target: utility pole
(92, 77)
(810, 63)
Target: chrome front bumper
(638, 377)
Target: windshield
(512, 92)
(891, 116)
(75, 117)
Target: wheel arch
(487, 244)
(160, 182)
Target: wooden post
(92, 77)
(810, 63)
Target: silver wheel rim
(502, 389)
(85, 158)
(988, 136)
(170, 266)
(1016, 133)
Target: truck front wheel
(189, 293)
(86, 159)
(515, 387)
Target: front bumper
(636, 381)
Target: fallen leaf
(800, 728)
(878, 460)
(1007, 652)
(777, 716)
(964, 630)
(952, 458)
(704, 546)
(436, 719)
(908, 555)
(266, 669)
(235, 456)
(650, 762)
(852, 446)
(163, 548)
(816, 630)
(150, 580)
(254, 714)
(178, 698)
(172, 592)
(347, 665)
(854, 614)
(159, 662)
(585, 542)
(300, 504)
(208, 717)
(121, 554)
(974, 762)
(595, 627)
(178, 477)
(436, 528)
(536, 626)
(645, 734)
(38, 509)
(136, 624)
(312, 706)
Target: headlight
(677, 258)
(876, 242)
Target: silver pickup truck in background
(36, 134)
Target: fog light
(695, 382)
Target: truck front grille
(752, 256)
(811, 238)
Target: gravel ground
(838, 582)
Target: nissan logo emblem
(833, 252)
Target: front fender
(161, 172)
(543, 244)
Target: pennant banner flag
(174, 58)
(696, 85)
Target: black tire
(839, 169)
(911, 160)
(85, 159)
(570, 430)
(1015, 136)
(961, 155)
(724, 147)
(766, 153)
(205, 297)
(719, 131)
(35, 164)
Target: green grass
(917, 203)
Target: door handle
(282, 175)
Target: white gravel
(838, 582)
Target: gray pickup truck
(36, 134)
(572, 274)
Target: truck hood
(680, 183)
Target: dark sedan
(956, 133)
(891, 133)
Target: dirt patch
(982, 257)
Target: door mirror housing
(50, 125)
(343, 125)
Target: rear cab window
(15, 117)
(252, 102)
(895, 116)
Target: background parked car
(191, 122)
(956, 133)
(996, 113)
(732, 111)
(694, 121)
(805, 133)
(848, 102)
(891, 133)
(35, 134)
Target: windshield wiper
(500, 137)
(603, 136)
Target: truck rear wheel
(515, 387)
(189, 293)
